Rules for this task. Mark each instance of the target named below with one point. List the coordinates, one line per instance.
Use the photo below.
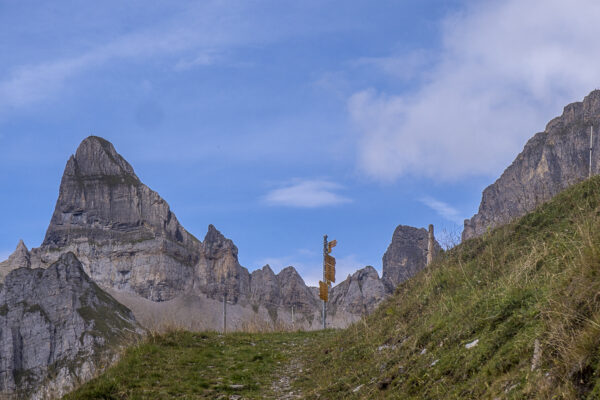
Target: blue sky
(281, 121)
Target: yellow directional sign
(329, 260)
(331, 245)
(323, 291)
(330, 272)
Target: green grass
(534, 280)
(187, 365)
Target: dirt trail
(287, 374)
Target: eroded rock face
(295, 292)
(124, 233)
(56, 327)
(129, 241)
(359, 294)
(406, 255)
(218, 271)
(20, 258)
(551, 161)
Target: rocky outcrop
(551, 161)
(218, 271)
(131, 244)
(123, 232)
(406, 255)
(20, 258)
(294, 292)
(56, 327)
(359, 294)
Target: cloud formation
(504, 70)
(307, 194)
(443, 209)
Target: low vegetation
(514, 314)
(468, 326)
(186, 365)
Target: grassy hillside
(536, 280)
(530, 287)
(185, 365)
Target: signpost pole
(324, 279)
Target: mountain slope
(551, 161)
(513, 314)
(57, 329)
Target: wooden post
(591, 146)
(225, 313)
(324, 280)
(430, 248)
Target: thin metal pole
(591, 146)
(225, 313)
(324, 280)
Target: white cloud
(307, 194)
(201, 60)
(445, 210)
(504, 70)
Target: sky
(282, 121)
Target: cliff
(550, 162)
(57, 328)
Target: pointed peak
(21, 246)
(267, 268)
(213, 235)
(289, 271)
(96, 156)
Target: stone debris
(472, 344)
(356, 389)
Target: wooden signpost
(328, 275)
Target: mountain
(512, 314)
(18, 259)
(123, 232)
(57, 329)
(358, 295)
(406, 255)
(132, 245)
(551, 161)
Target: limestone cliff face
(20, 258)
(56, 327)
(359, 294)
(295, 292)
(551, 161)
(283, 291)
(131, 243)
(406, 255)
(124, 233)
(218, 271)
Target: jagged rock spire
(101, 198)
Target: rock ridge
(550, 162)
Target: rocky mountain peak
(101, 198)
(406, 255)
(96, 156)
(18, 259)
(550, 162)
(359, 294)
(216, 244)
